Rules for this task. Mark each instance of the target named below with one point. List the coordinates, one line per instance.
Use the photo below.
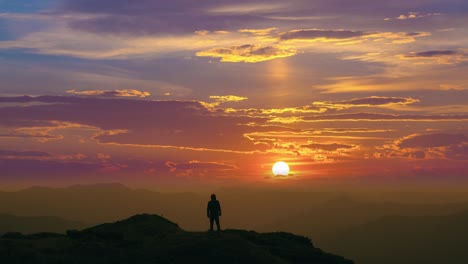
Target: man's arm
(219, 206)
(208, 210)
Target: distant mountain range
(34, 224)
(100, 203)
(309, 213)
(153, 239)
(405, 240)
(364, 229)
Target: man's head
(213, 197)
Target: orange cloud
(228, 98)
(260, 32)
(398, 37)
(437, 56)
(425, 146)
(328, 146)
(412, 15)
(322, 152)
(112, 93)
(45, 132)
(348, 36)
(452, 87)
(307, 109)
(220, 99)
(248, 53)
(197, 165)
(103, 156)
(176, 124)
(373, 101)
(385, 117)
(197, 168)
(23, 154)
(319, 35)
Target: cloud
(328, 146)
(42, 131)
(378, 100)
(347, 130)
(326, 110)
(148, 17)
(246, 8)
(22, 154)
(321, 152)
(428, 146)
(112, 93)
(348, 36)
(92, 45)
(221, 99)
(228, 98)
(398, 37)
(384, 117)
(296, 138)
(40, 137)
(456, 87)
(39, 170)
(457, 152)
(399, 77)
(182, 16)
(372, 101)
(259, 32)
(103, 156)
(412, 15)
(198, 169)
(122, 30)
(175, 124)
(431, 140)
(319, 34)
(248, 53)
(197, 165)
(432, 53)
(439, 56)
(306, 109)
(62, 166)
(207, 32)
(34, 155)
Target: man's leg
(211, 223)
(217, 223)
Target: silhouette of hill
(153, 239)
(405, 240)
(34, 224)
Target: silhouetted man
(214, 212)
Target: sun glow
(280, 168)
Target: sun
(280, 168)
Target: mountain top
(132, 229)
(153, 239)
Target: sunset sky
(183, 92)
